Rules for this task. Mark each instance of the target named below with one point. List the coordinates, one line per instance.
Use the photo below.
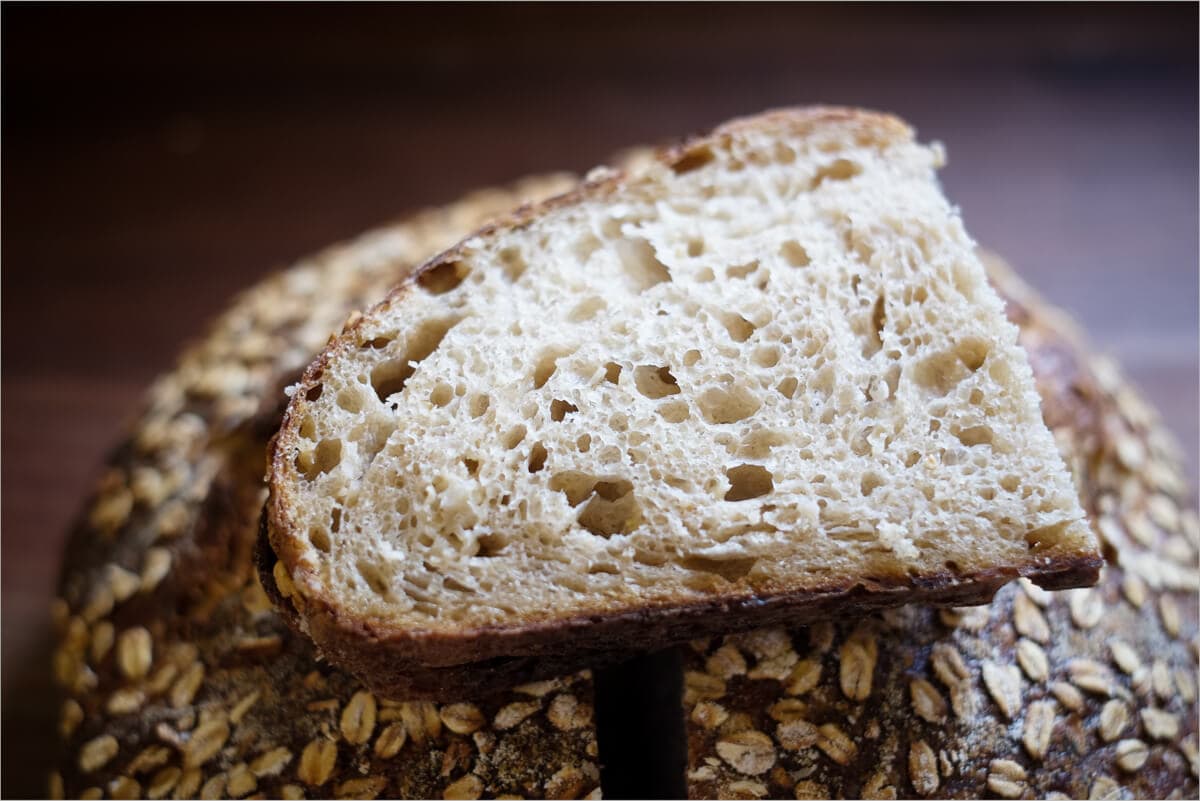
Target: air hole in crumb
(766, 356)
(441, 395)
(952, 566)
(586, 310)
(389, 377)
(740, 329)
(479, 405)
(559, 409)
(319, 538)
(705, 275)
(655, 382)
(839, 170)
(695, 247)
(335, 520)
(976, 397)
(975, 435)
(742, 270)
(603, 567)
(719, 405)
(691, 357)
(377, 343)
(442, 278)
(693, 159)
(674, 411)
(972, 353)
(641, 264)
(728, 569)
(490, 544)
(472, 466)
(874, 336)
(613, 509)
(314, 392)
(1010, 483)
(514, 436)
(787, 387)
(870, 482)
(373, 576)
(644, 557)
(612, 372)
(584, 443)
(325, 457)
(912, 458)
(987, 493)
(748, 481)
(618, 422)
(537, 457)
(514, 264)
(308, 427)
(585, 246)
(350, 400)
(794, 253)
(454, 585)
(547, 363)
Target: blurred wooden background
(157, 159)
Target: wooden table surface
(156, 160)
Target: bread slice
(763, 379)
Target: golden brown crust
(403, 662)
(1036, 694)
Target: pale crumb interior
(773, 366)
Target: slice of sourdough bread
(763, 379)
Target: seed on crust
(390, 740)
(857, 669)
(922, 768)
(135, 652)
(750, 752)
(796, 734)
(465, 789)
(317, 762)
(1032, 659)
(1124, 655)
(163, 782)
(1090, 676)
(1168, 610)
(241, 781)
(124, 787)
(1028, 619)
(97, 752)
(69, 718)
(1006, 778)
(836, 745)
(205, 743)
(1160, 724)
(1131, 755)
(1068, 696)
(1086, 608)
(927, 702)
(367, 787)
(1004, 685)
(804, 676)
(726, 662)
(514, 714)
(1039, 725)
(271, 763)
(103, 636)
(358, 718)
(566, 713)
(1103, 789)
(699, 686)
(1114, 717)
(462, 718)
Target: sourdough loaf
(762, 378)
(174, 500)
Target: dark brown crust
(403, 663)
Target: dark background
(157, 159)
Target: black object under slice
(640, 727)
